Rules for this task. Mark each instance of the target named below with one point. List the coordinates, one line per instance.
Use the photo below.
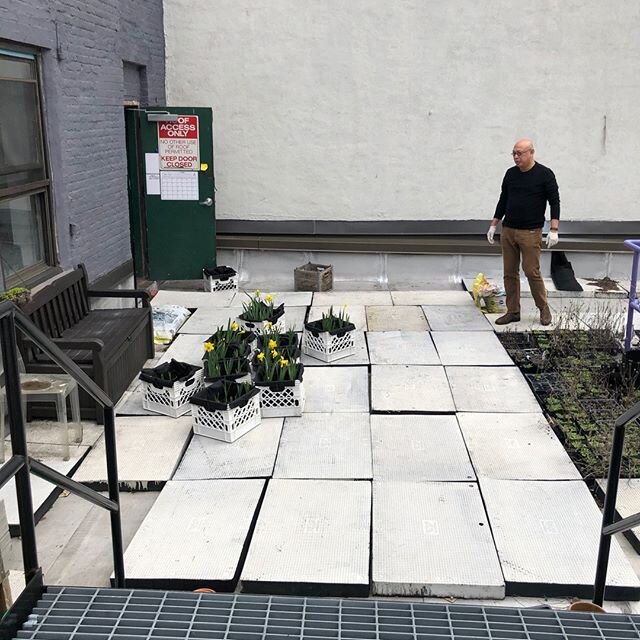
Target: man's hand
(552, 239)
(491, 233)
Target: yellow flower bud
(235, 326)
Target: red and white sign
(178, 144)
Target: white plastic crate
(258, 327)
(172, 401)
(282, 404)
(215, 284)
(327, 347)
(227, 424)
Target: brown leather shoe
(508, 317)
(545, 316)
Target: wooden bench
(110, 345)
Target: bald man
(526, 189)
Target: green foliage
(17, 295)
(330, 321)
(258, 309)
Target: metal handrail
(634, 304)
(609, 526)
(21, 465)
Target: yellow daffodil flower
(209, 346)
(283, 362)
(272, 344)
(235, 326)
(274, 353)
(268, 324)
(268, 298)
(261, 356)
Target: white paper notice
(179, 185)
(152, 162)
(153, 184)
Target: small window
(26, 236)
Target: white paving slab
(419, 448)
(402, 347)
(252, 456)
(437, 298)
(336, 390)
(186, 348)
(627, 500)
(455, 318)
(433, 539)
(289, 298)
(43, 493)
(480, 348)
(341, 298)
(194, 299)
(194, 534)
(325, 446)
(396, 318)
(515, 446)
(149, 450)
(410, 388)
(491, 390)
(312, 534)
(360, 357)
(547, 536)
(207, 320)
(294, 318)
(356, 313)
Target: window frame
(35, 273)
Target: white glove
(491, 233)
(552, 239)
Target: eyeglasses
(517, 154)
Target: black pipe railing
(21, 465)
(609, 526)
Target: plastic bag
(488, 296)
(167, 319)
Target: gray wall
(85, 45)
(384, 110)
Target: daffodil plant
(259, 308)
(226, 352)
(273, 365)
(271, 337)
(331, 322)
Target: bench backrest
(60, 304)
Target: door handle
(207, 202)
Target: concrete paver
(396, 318)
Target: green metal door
(171, 191)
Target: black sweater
(524, 197)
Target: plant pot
(225, 421)
(276, 321)
(328, 346)
(220, 279)
(283, 398)
(170, 397)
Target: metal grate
(104, 614)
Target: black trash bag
(562, 273)
(167, 374)
(219, 273)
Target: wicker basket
(313, 277)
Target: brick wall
(84, 44)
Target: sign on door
(178, 144)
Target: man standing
(526, 189)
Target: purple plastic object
(634, 245)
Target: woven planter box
(172, 401)
(220, 279)
(282, 399)
(328, 346)
(313, 277)
(230, 422)
(258, 326)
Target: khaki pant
(525, 242)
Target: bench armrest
(120, 293)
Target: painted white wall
(408, 109)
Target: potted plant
(168, 387)
(259, 313)
(287, 344)
(226, 410)
(227, 357)
(329, 338)
(18, 295)
(280, 382)
(220, 279)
